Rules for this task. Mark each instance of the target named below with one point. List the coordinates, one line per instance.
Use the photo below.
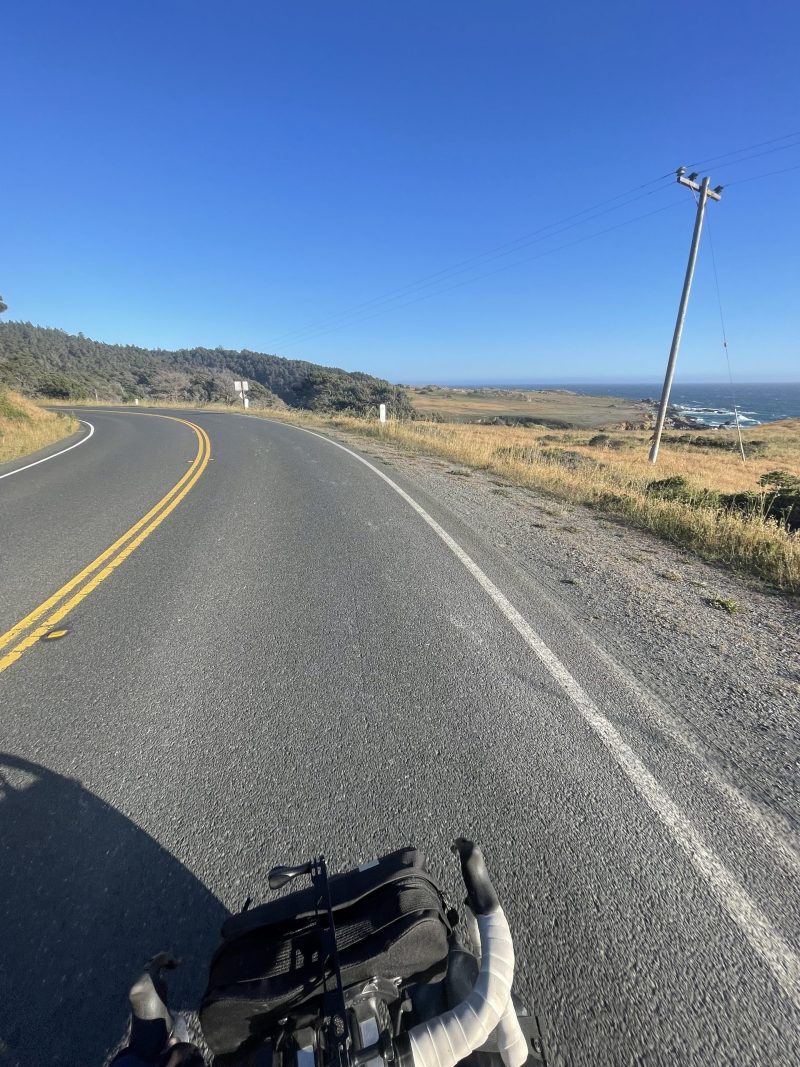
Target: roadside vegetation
(62, 367)
(25, 428)
(700, 495)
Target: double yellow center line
(38, 624)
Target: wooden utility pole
(705, 194)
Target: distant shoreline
(577, 387)
(703, 405)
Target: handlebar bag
(391, 919)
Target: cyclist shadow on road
(86, 898)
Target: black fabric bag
(391, 921)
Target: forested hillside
(43, 362)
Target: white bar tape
(510, 1038)
(448, 1038)
(511, 1041)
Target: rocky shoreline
(677, 419)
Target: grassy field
(25, 428)
(552, 408)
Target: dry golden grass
(549, 406)
(25, 428)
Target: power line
(498, 270)
(758, 155)
(520, 243)
(756, 177)
(388, 301)
(747, 148)
(447, 275)
(504, 249)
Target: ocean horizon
(709, 403)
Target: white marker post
(382, 413)
(241, 388)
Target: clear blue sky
(179, 173)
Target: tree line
(48, 363)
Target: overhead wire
(498, 270)
(758, 155)
(506, 248)
(323, 331)
(388, 301)
(746, 148)
(553, 229)
(756, 177)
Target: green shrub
(780, 499)
(722, 442)
(780, 481)
(722, 604)
(679, 488)
(676, 487)
(355, 394)
(61, 387)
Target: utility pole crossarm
(690, 183)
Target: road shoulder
(720, 651)
(54, 448)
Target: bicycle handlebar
(448, 1038)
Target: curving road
(303, 655)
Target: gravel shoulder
(729, 675)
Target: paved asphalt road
(296, 660)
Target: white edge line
(36, 463)
(763, 938)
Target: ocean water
(711, 404)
